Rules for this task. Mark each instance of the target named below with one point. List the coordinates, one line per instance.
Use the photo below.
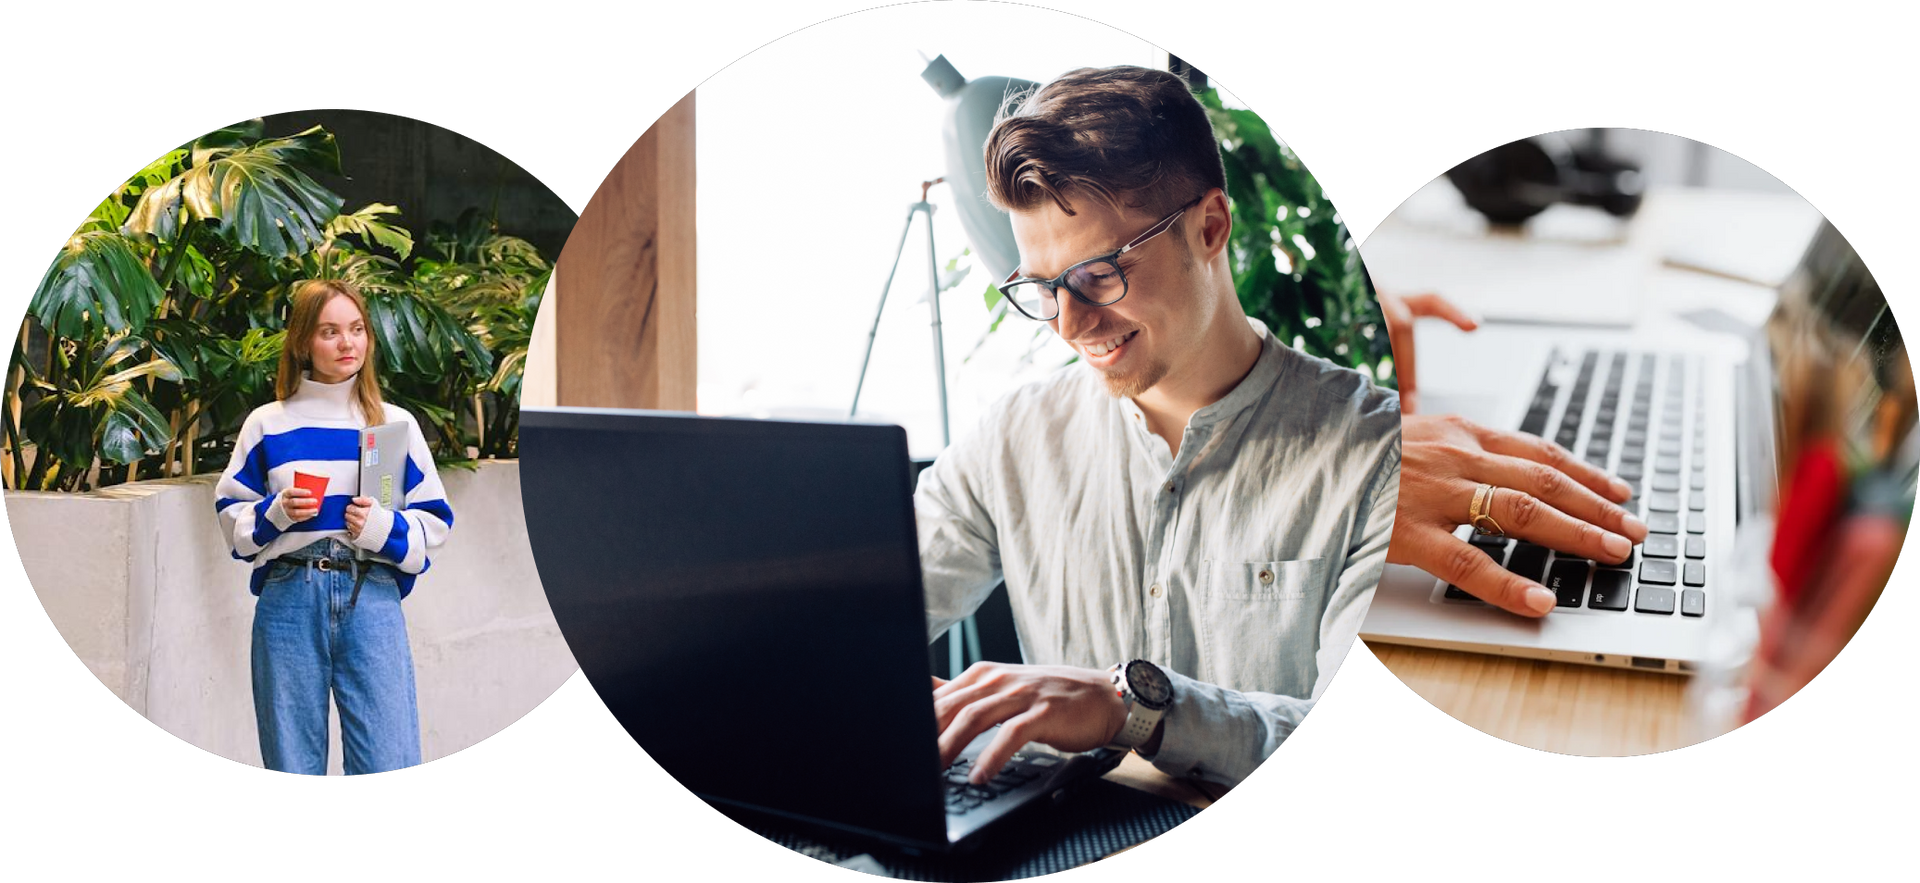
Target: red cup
(313, 484)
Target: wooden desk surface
(1553, 706)
(1135, 772)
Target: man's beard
(1130, 383)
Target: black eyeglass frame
(1058, 282)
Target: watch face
(1149, 684)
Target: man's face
(1161, 322)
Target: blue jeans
(308, 643)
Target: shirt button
(1266, 577)
(1156, 591)
(1168, 487)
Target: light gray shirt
(1243, 566)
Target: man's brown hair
(1126, 137)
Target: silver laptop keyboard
(1644, 422)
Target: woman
(329, 569)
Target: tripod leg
(898, 250)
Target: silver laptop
(1685, 416)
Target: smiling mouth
(1102, 347)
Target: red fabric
(1812, 503)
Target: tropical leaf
(370, 226)
(259, 196)
(97, 282)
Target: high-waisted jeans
(308, 643)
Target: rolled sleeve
(1222, 735)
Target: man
(1192, 493)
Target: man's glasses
(1097, 282)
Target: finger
(1466, 566)
(938, 682)
(1440, 308)
(297, 493)
(1523, 515)
(363, 501)
(1400, 338)
(977, 718)
(1533, 447)
(948, 705)
(1011, 738)
(1557, 489)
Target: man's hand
(357, 515)
(1400, 313)
(1547, 496)
(1072, 709)
(299, 504)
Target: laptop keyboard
(1023, 769)
(1645, 424)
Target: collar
(1250, 390)
(325, 401)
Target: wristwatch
(1148, 693)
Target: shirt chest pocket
(1260, 623)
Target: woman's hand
(1545, 496)
(357, 515)
(1400, 313)
(298, 503)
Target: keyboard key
(1528, 561)
(1699, 480)
(1632, 452)
(1663, 502)
(1661, 546)
(1697, 502)
(1665, 482)
(1669, 448)
(1667, 464)
(1598, 443)
(1609, 590)
(1630, 470)
(1693, 602)
(1696, 547)
(1696, 522)
(1568, 580)
(1455, 593)
(1696, 573)
(1565, 438)
(1657, 572)
(1653, 599)
(1487, 541)
(1663, 522)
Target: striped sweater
(316, 431)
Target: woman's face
(339, 345)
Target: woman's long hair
(296, 355)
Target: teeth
(1106, 346)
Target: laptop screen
(745, 596)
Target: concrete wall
(140, 583)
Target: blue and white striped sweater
(316, 431)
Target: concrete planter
(140, 583)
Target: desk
(1136, 773)
(1554, 706)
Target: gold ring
(1480, 512)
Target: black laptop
(745, 596)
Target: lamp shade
(970, 109)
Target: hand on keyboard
(1546, 496)
(1072, 709)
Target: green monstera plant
(159, 325)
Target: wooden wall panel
(624, 331)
